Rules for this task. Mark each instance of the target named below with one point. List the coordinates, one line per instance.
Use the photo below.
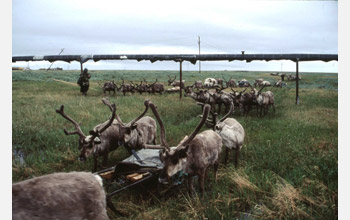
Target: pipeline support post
(81, 67)
(180, 79)
(297, 82)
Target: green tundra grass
(288, 167)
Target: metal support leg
(180, 79)
(297, 83)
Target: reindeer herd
(156, 87)
(194, 154)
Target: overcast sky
(41, 27)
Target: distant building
(17, 68)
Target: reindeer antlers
(261, 89)
(107, 102)
(144, 112)
(206, 110)
(78, 131)
(113, 109)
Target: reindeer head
(170, 81)
(174, 158)
(256, 95)
(87, 143)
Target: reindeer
(156, 87)
(175, 89)
(109, 86)
(189, 92)
(193, 155)
(246, 101)
(143, 87)
(264, 83)
(127, 87)
(75, 195)
(230, 83)
(115, 133)
(172, 82)
(258, 82)
(219, 81)
(100, 142)
(197, 85)
(141, 130)
(280, 84)
(222, 97)
(291, 77)
(230, 131)
(210, 83)
(206, 97)
(264, 100)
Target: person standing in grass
(83, 81)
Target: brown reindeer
(141, 130)
(172, 82)
(156, 87)
(230, 83)
(192, 156)
(127, 87)
(100, 142)
(143, 87)
(109, 86)
(197, 85)
(111, 134)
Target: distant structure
(27, 68)
(54, 61)
(17, 68)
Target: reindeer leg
(189, 185)
(206, 175)
(237, 155)
(216, 166)
(201, 182)
(226, 155)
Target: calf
(192, 156)
(75, 195)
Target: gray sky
(41, 27)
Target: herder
(83, 81)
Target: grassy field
(288, 164)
